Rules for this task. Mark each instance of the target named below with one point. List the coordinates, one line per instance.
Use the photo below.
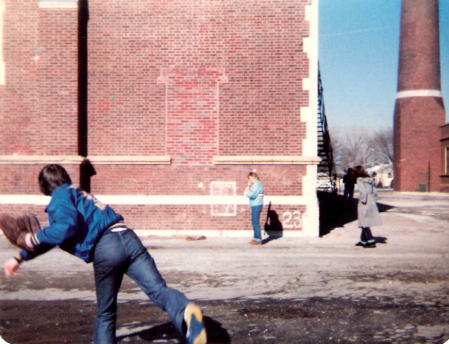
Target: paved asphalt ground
(290, 290)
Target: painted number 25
(292, 220)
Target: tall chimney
(419, 109)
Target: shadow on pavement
(215, 333)
(336, 211)
(273, 226)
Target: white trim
(309, 113)
(40, 159)
(58, 4)
(24, 199)
(130, 160)
(418, 93)
(77, 159)
(310, 219)
(161, 199)
(208, 233)
(265, 159)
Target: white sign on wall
(227, 205)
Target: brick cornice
(40, 159)
(130, 160)
(265, 160)
(58, 4)
(76, 159)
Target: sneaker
(370, 245)
(193, 317)
(255, 242)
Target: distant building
(383, 175)
(444, 178)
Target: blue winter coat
(255, 194)
(76, 222)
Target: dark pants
(348, 196)
(348, 193)
(119, 253)
(366, 236)
(255, 221)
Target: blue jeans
(119, 253)
(255, 219)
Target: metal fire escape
(326, 168)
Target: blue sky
(358, 53)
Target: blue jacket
(76, 222)
(255, 194)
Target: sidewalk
(415, 229)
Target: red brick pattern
(192, 119)
(39, 99)
(181, 78)
(418, 162)
(185, 180)
(419, 54)
(179, 218)
(417, 120)
(257, 45)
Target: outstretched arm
(11, 266)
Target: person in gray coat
(367, 211)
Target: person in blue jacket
(94, 232)
(254, 191)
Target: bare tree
(382, 141)
(360, 146)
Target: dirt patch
(315, 320)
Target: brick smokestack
(419, 109)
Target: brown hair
(360, 172)
(52, 177)
(253, 174)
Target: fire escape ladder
(326, 167)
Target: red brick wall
(180, 218)
(39, 98)
(19, 98)
(167, 180)
(417, 152)
(18, 178)
(256, 46)
(58, 84)
(186, 80)
(192, 80)
(194, 183)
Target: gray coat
(368, 214)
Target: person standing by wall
(254, 191)
(367, 211)
(349, 181)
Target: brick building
(161, 108)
